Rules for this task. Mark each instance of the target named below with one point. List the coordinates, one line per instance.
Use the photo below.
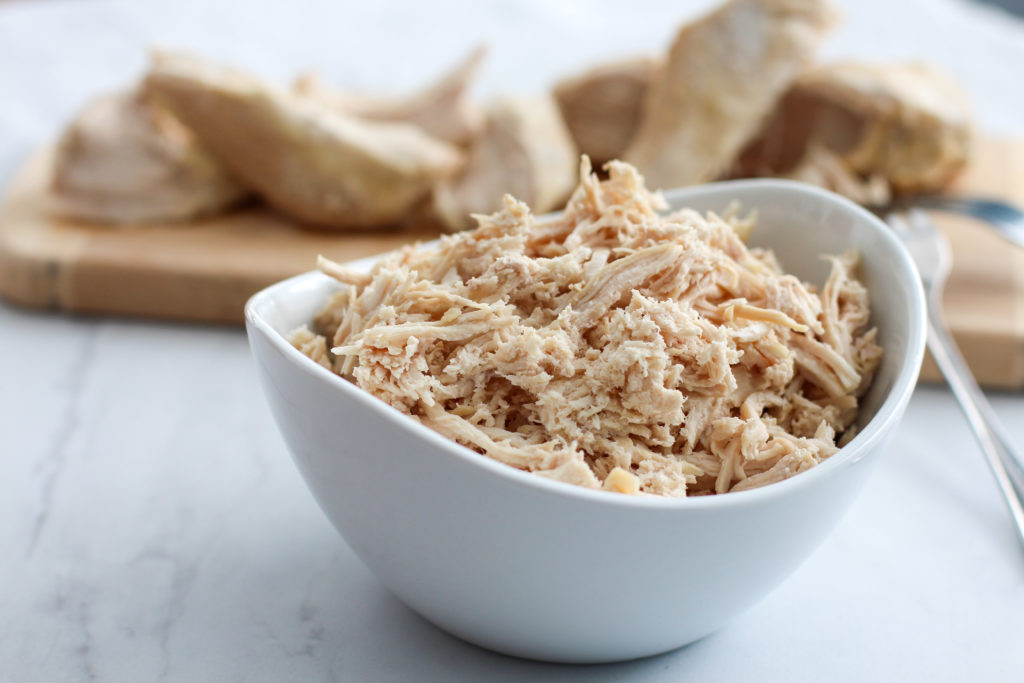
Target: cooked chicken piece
(524, 150)
(722, 77)
(905, 125)
(126, 160)
(823, 167)
(443, 109)
(305, 159)
(603, 106)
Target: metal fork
(1006, 219)
(931, 253)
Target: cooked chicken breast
(604, 106)
(524, 150)
(442, 109)
(906, 126)
(722, 77)
(308, 161)
(126, 160)
(823, 167)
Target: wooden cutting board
(205, 271)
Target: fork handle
(1004, 463)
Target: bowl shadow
(344, 625)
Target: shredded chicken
(610, 346)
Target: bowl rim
(888, 413)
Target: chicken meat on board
(525, 149)
(604, 105)
(721, 78)
(303, 157)
(866, 130)
(126, 160)
(443, 109)
(609, 346)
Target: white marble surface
(152, 526)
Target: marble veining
(51, 465)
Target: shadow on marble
(354, 629)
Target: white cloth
(153, 527)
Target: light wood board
(205, 271)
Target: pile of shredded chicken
(610, 346)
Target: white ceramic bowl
(547, 570)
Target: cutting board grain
(205, 271)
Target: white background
(152, 526)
